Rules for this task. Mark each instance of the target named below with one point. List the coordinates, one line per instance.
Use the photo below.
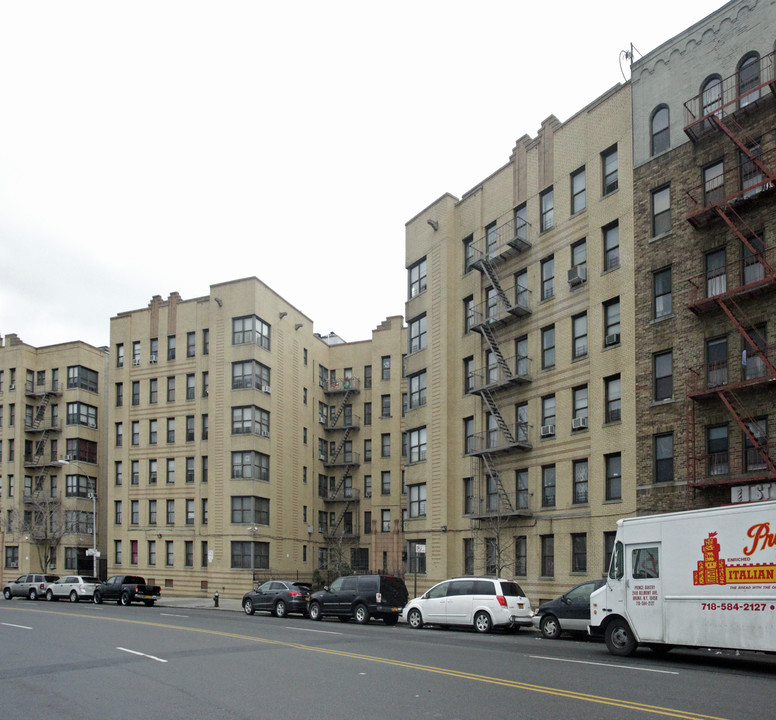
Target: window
(170, 479)
(661, 288)
(548, 277)
(250, 465)
(661, 211)
(250, 374)
(170, 512)
(751, 174)
(664, 457)
(385, 445)
(189, 511)
(521, 556)
(612, 322)
(251, 555)
(609, 169)
(417, 500)
(152, 472)
(711, 96)
(468, 314)
(468, 253)
(714, 183)
(578, 552)
(468, 496)
(492, 560)
(81, 377)
(611, 246)
(548, 486)
(120, 355)
(117, 551)
(548, 555)
(580, 409)
(417, 278)
(250, 509)
(580, 481)
(613, 467)
(134, 466)
(663, 363)
(189, 469)
(491, 240)
(135, 432)
(152, 552)
(385, 364)
(468, 435)
(153, 432)
(385, 482)
(716, 272)
(752, 355)
(153, 391)
(250, 420)
(171, 389)
(191, 344)
(716, 362)
(417, 334)
(613, 398)
(189, 428)
(152, 512)
(754, 454)
(522, 495)
(579, 336)
(579, 261)
(578, 185)
(385, 521)
(748, 80)
(548, 347)
(660, 133)
(119, 394)
(547, 206)
(717, 449)
(251, 330)
(117, 512)
(135, 512)
(548, 413)
(206, 342)
(171, 347)
(469, 378)
(190, 386)
(170, 430)
(417, 443)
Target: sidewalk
(206, 603)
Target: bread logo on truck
(715, 571)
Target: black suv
(361, 597)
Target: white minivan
(482, 602)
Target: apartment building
(520, 419)
(705, 220)
(242, 445)
(52, 451)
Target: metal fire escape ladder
(487, 332)
(341, 518)
(487, 396)
(494, 281)
(725, 214)
(741, 145)
(490, 471)
(723, 304)
(729, 398)
(340, 409)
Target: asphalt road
(110, 662)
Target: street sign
(92, 553)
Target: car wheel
(315, 611)
(550, 627)
(280, 609)
(619, 638)
(482, 622)
(7, 594)
(124, 599)
(33, 594)
(97, 597)
(361, 614)
(415, 619)
(391, 619)
(248, 606)
(49, 595)
(73, 596)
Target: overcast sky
(151, 147)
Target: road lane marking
(513, 684)
(324, 632)
(23, 627)
(141, 654)
(172, 615)
(608, 665)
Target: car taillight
(501, 600)
(41, 586)
(379, 597)
(294, 594)
(135, 588)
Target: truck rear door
(644, 595)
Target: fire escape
(38, 458)
(729, 198)
(341, 423)
(500, 311)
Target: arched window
(749, 79)
(661, 139)
(711, 96)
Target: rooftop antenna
(629, 56)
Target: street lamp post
(93, 497)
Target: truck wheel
(315, 611)
(280, 609)
(550, 627)
(361, 614)
(482, 622)
(415, 619)
(124, 599)
(619, 638)
(97, 597)
(73, 596)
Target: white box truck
(701, 578)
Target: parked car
(126, 589)
(32, 586)
(483, 603)
(278, 597)
(74, 587)
(361, 597)
(568, 613)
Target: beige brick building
(520, 328)
(705, 217)
(52, 433)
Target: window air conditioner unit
(136, 362)
(322, 420)
(12, 387)
(265, 433)
(310, 529)
(92, 424)
(577, 275)
(266, 389)
(322, 456)
(69, 457)
(612, 339)
(152, 359)
(548, 430)
(579, 423)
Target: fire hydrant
(215, 598)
